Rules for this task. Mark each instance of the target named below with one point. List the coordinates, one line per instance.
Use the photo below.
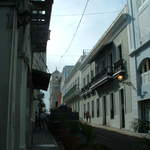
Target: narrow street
(44, 140)
(75, 75)
(117, 141)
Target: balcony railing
(73, 92)
(40, 18)
(119, 67)
(86, 89)
(101, 77)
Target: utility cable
(74, 35)
(87, 14)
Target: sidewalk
(43, 140)
(122, 131)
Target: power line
(74, 35)
(87, 14)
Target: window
(84, 110)
(92, 109)
(145, 71)
(110, 59)
(88, 107)
(119, 52)
(34, 11)
(149, 64)
(42, 12)
(110, 62)
(112, 106)
(98, 106)
(103, 64)
(92, 74)
(78, 83)
(145, 66)
(88, 79)
(97, 68)
(84, 82)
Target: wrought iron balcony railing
(86, 89)
(119, 67)
(73, 92)
(101, 77)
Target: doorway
(145, 110)
(122, 109)
(104, 111)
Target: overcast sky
(65, 17)
(64, 20)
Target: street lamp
(120, 77)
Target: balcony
(39, 39)
(119, 67)
(71, 94)
(101, 78)
(40, 19)
(41, 11)
(85, 91)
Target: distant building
(71, 95)
(55, 89)
(65, 73)
(97, 83)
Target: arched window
(145, 66)
(145, 71)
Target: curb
(121, 131)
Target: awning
(40, 79)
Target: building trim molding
(139, 49)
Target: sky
(65, 18)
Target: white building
(108, 100)
(139, 50)
(72, 84)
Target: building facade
(108, 100)
(105, 90)
(18, 78)
(72, 84)
(55, 92)
(139, 50)
(65, 73)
